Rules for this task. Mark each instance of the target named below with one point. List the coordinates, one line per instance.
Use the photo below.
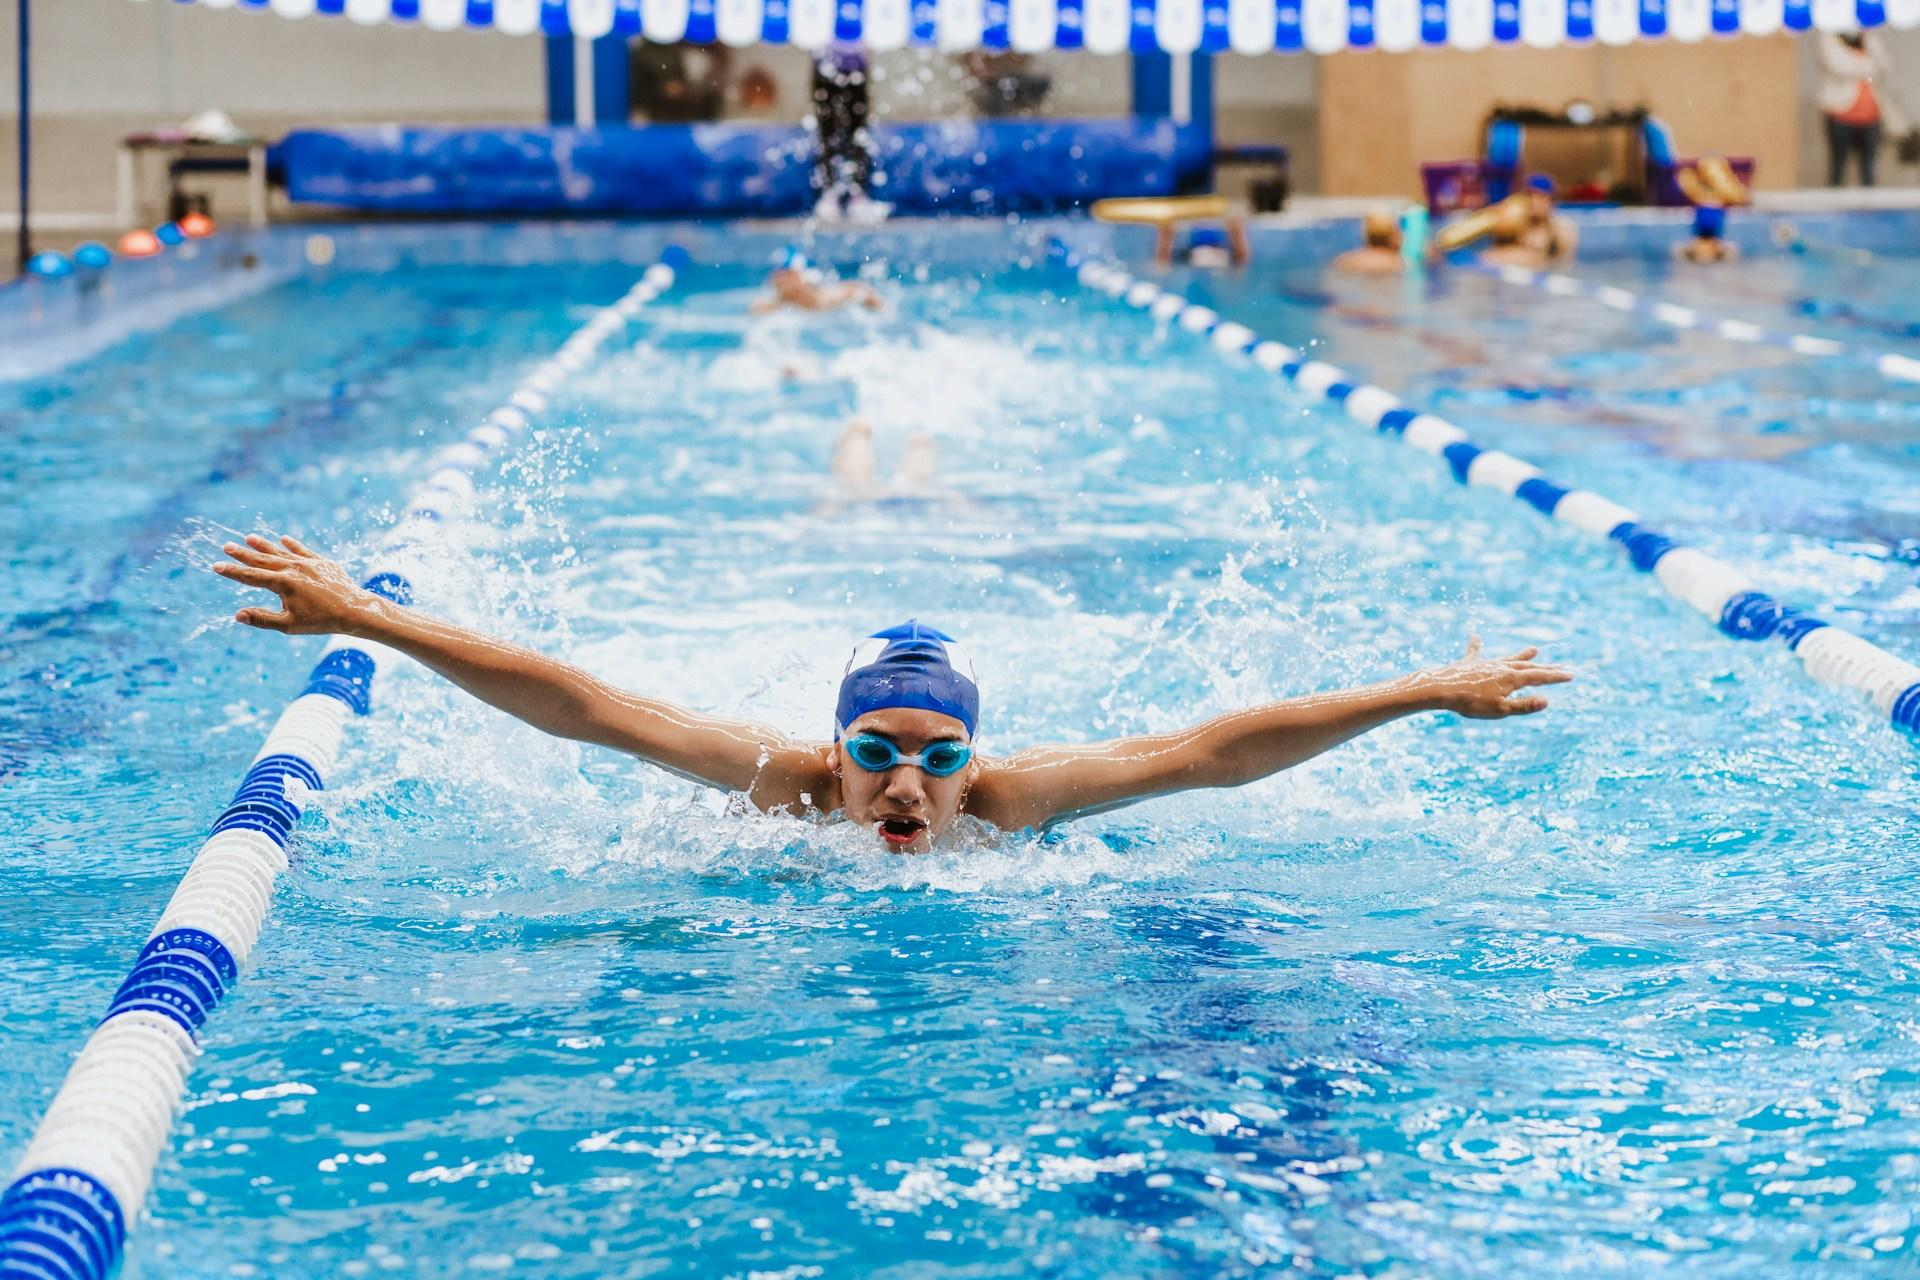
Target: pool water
(1625, 985)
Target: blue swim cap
(792, 259)
(911, 665)
(1709, 222)
(1542, 183)
(1208, 237)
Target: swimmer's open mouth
(900, 831)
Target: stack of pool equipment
(66, 1214)
(1713, 587)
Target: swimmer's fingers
(254, 556)
(298, 547)
(266, 546)
(1525, 706)
(1532, 675)
(266, 621)
(1527, 654)
(265, 578)
(1473, 647)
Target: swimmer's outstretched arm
(317, 597)
(1049, 784)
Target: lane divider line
(1890, 364)
(86, 1172)
(1716, 589)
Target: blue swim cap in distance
(911, 665)
(1542, 183)
(1208, 237)
(792, 259)
(1709, 222)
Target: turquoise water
(1626, 985)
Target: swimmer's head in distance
(910, 665)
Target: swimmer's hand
(1483, 688)
(317, 596)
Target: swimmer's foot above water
(901, 760)
(856, 466)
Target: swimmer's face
(789, 282)
(906, 806)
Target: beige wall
(102, 68)
(1270, 98)
(1382, 115)
(162, 60)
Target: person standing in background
(1854, 66)
(840, 92)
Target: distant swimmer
(1708, 242)
(901, 760)
(1215, 227)
(1525, 228)
(1380, 255)
(1211, 248)
(798, 284)
(1511, 246)
(1549, 233)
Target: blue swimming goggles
(876, 755)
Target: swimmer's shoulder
(1004, 794)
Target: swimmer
(797, 284)
(1549, 233)
(1510, 247)
(1209, 247)
(1708, 243)
(901, 760)
(1380, 256)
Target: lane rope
(67, 1212)
(1830, 654)
(1891, 364)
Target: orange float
(139, 243)
(196, 226)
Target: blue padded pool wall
(736, 170)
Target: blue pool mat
(996, 166)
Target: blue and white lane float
(66, 1214)
(1889, 364)
(1716, 589)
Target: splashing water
(1622, 985)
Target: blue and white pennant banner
(1120, 26)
